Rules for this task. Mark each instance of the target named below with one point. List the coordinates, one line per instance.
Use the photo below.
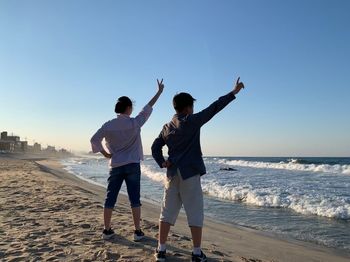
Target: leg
(107, 216)
(136, 215)
(170, 208)
(164, 229)
(196, 236)
(115, 181)
(192, 197)
(132, 180)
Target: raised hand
(157, 95)
(160, 85)
(238, 86)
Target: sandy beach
(48, 214)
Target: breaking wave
(292, 164)
(270, 197)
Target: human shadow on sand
(149, 244)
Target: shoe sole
(138, 238)
(205, 260)
(106, 237)
(159, 259)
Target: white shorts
(178, 192)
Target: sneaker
(160, 255)
(138, 235)
(108, 234)
(199, 258)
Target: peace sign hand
(238, 86)
(157, 95)
(160, 85)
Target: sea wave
(154, 175)
(292, 164)
(275, 198)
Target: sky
(63, 64)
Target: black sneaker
(108, 234)
(138, 235)
(160, 255)
(199, 258)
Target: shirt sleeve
(96, 140)
(157, 151)
(205, 115)
(143, 116)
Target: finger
(161, 81)
(238, 80)
(157, 81)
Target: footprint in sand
(16, 244)
(185, 238)
(68, 235)
(250, 259)
(149, 225)
(45, 249)
(85, 226)
(111, 256)
(63, 243)
(218, 253)
(68, 251)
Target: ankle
(161, 247)
(197, 250)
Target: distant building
(24, 146)
(6, 137)
(51, 149)
(8, 143)
(36, 147)
(8, 146)
(3, 135)
(12, 143)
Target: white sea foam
(272, 197)
(155, 176)
(291, 165)
(268, 197)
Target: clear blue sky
(63, 64)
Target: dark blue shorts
(131, 173)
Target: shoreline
(212, 218)
(221, 241)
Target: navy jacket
(182, 137)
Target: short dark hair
(182, 100)
(122, 104)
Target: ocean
(299, 198)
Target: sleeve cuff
(96, 148)
(148, 109)
(232, 95)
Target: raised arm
(143, 116)
(205, 115)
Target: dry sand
(47, 214)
